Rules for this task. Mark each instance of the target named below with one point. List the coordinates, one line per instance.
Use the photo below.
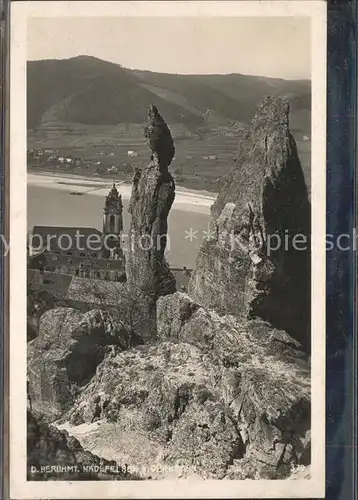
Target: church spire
(112, 224)
(112, 213)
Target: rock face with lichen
(252, 263)
(153, 191)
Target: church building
(82, 251)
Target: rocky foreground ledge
(223, 397)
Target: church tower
(112, 213)
(112, 224)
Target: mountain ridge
(85, 89)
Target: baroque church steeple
(113, 212)
(112, 224)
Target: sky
(272, 46)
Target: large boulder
(64, 355)
(253, 262)
(153, 191)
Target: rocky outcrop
(159, 138)
(160, 407)
(69, 347)
(261, 374)
(217, 397)
(55, 455)
(153, 191)
(252, 263)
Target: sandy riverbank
(185, 199)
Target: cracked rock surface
(249, 265)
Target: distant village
(53, 158)
(44, 158)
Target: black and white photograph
(167, 322)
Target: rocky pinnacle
(159, 138)
(153, 192)
(250, 265)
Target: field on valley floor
(103, 147)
